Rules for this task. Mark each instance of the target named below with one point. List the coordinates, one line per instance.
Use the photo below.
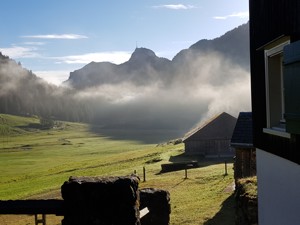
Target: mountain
(233, 44)
(138, 70)
(144, 67)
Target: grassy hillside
(34, 163)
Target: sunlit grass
(35, 162)
(198, 198)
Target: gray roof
(218, 127)
(242, 134)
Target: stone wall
(246, 201)
(158, 203)
(113, 201)
(169, 167)
(101, 201)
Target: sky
(55, 37)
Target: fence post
(186, 176)
(144, 174)
(41, 220)
(226, 168)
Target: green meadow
(34, 163)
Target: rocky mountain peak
(141, 54)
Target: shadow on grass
(226, 215)
(150, 136)
(35, 126)
(186, 162)
(202, 161)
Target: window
(275, 85)
(291, 73)
(275, 106)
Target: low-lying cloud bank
(213, 84)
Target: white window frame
(274, 54)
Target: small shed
(212, 139)
(242, 142)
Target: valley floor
(35, 163)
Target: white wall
(278, 190)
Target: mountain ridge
(145, 66)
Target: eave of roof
(203, 125)
(241, 145)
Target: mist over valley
(147, 98)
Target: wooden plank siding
(245, 163)
(211, 147)
(269, 20)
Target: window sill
(277, 131)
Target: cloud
(56, 36)
(36, 43)
(240, 15)
(53, 76)
(175, 6)
(20, 52)
(113, 57)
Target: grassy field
(34, 163)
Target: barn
(212, 139)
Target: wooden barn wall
(269, 20)
(208, 147)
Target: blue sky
(55, 37)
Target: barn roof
(218, 127)
(242, 134)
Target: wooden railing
(40, 207)
(51, 206)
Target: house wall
(278, 190)
(269, 20)
(219, 147)
(278, 157)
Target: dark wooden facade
(270, 20)
(242, 142)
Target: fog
(142, 104)
(175, 101)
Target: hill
(17, 85)
(23, 93)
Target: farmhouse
(242, 142)
(275, 89)
(212, 139)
